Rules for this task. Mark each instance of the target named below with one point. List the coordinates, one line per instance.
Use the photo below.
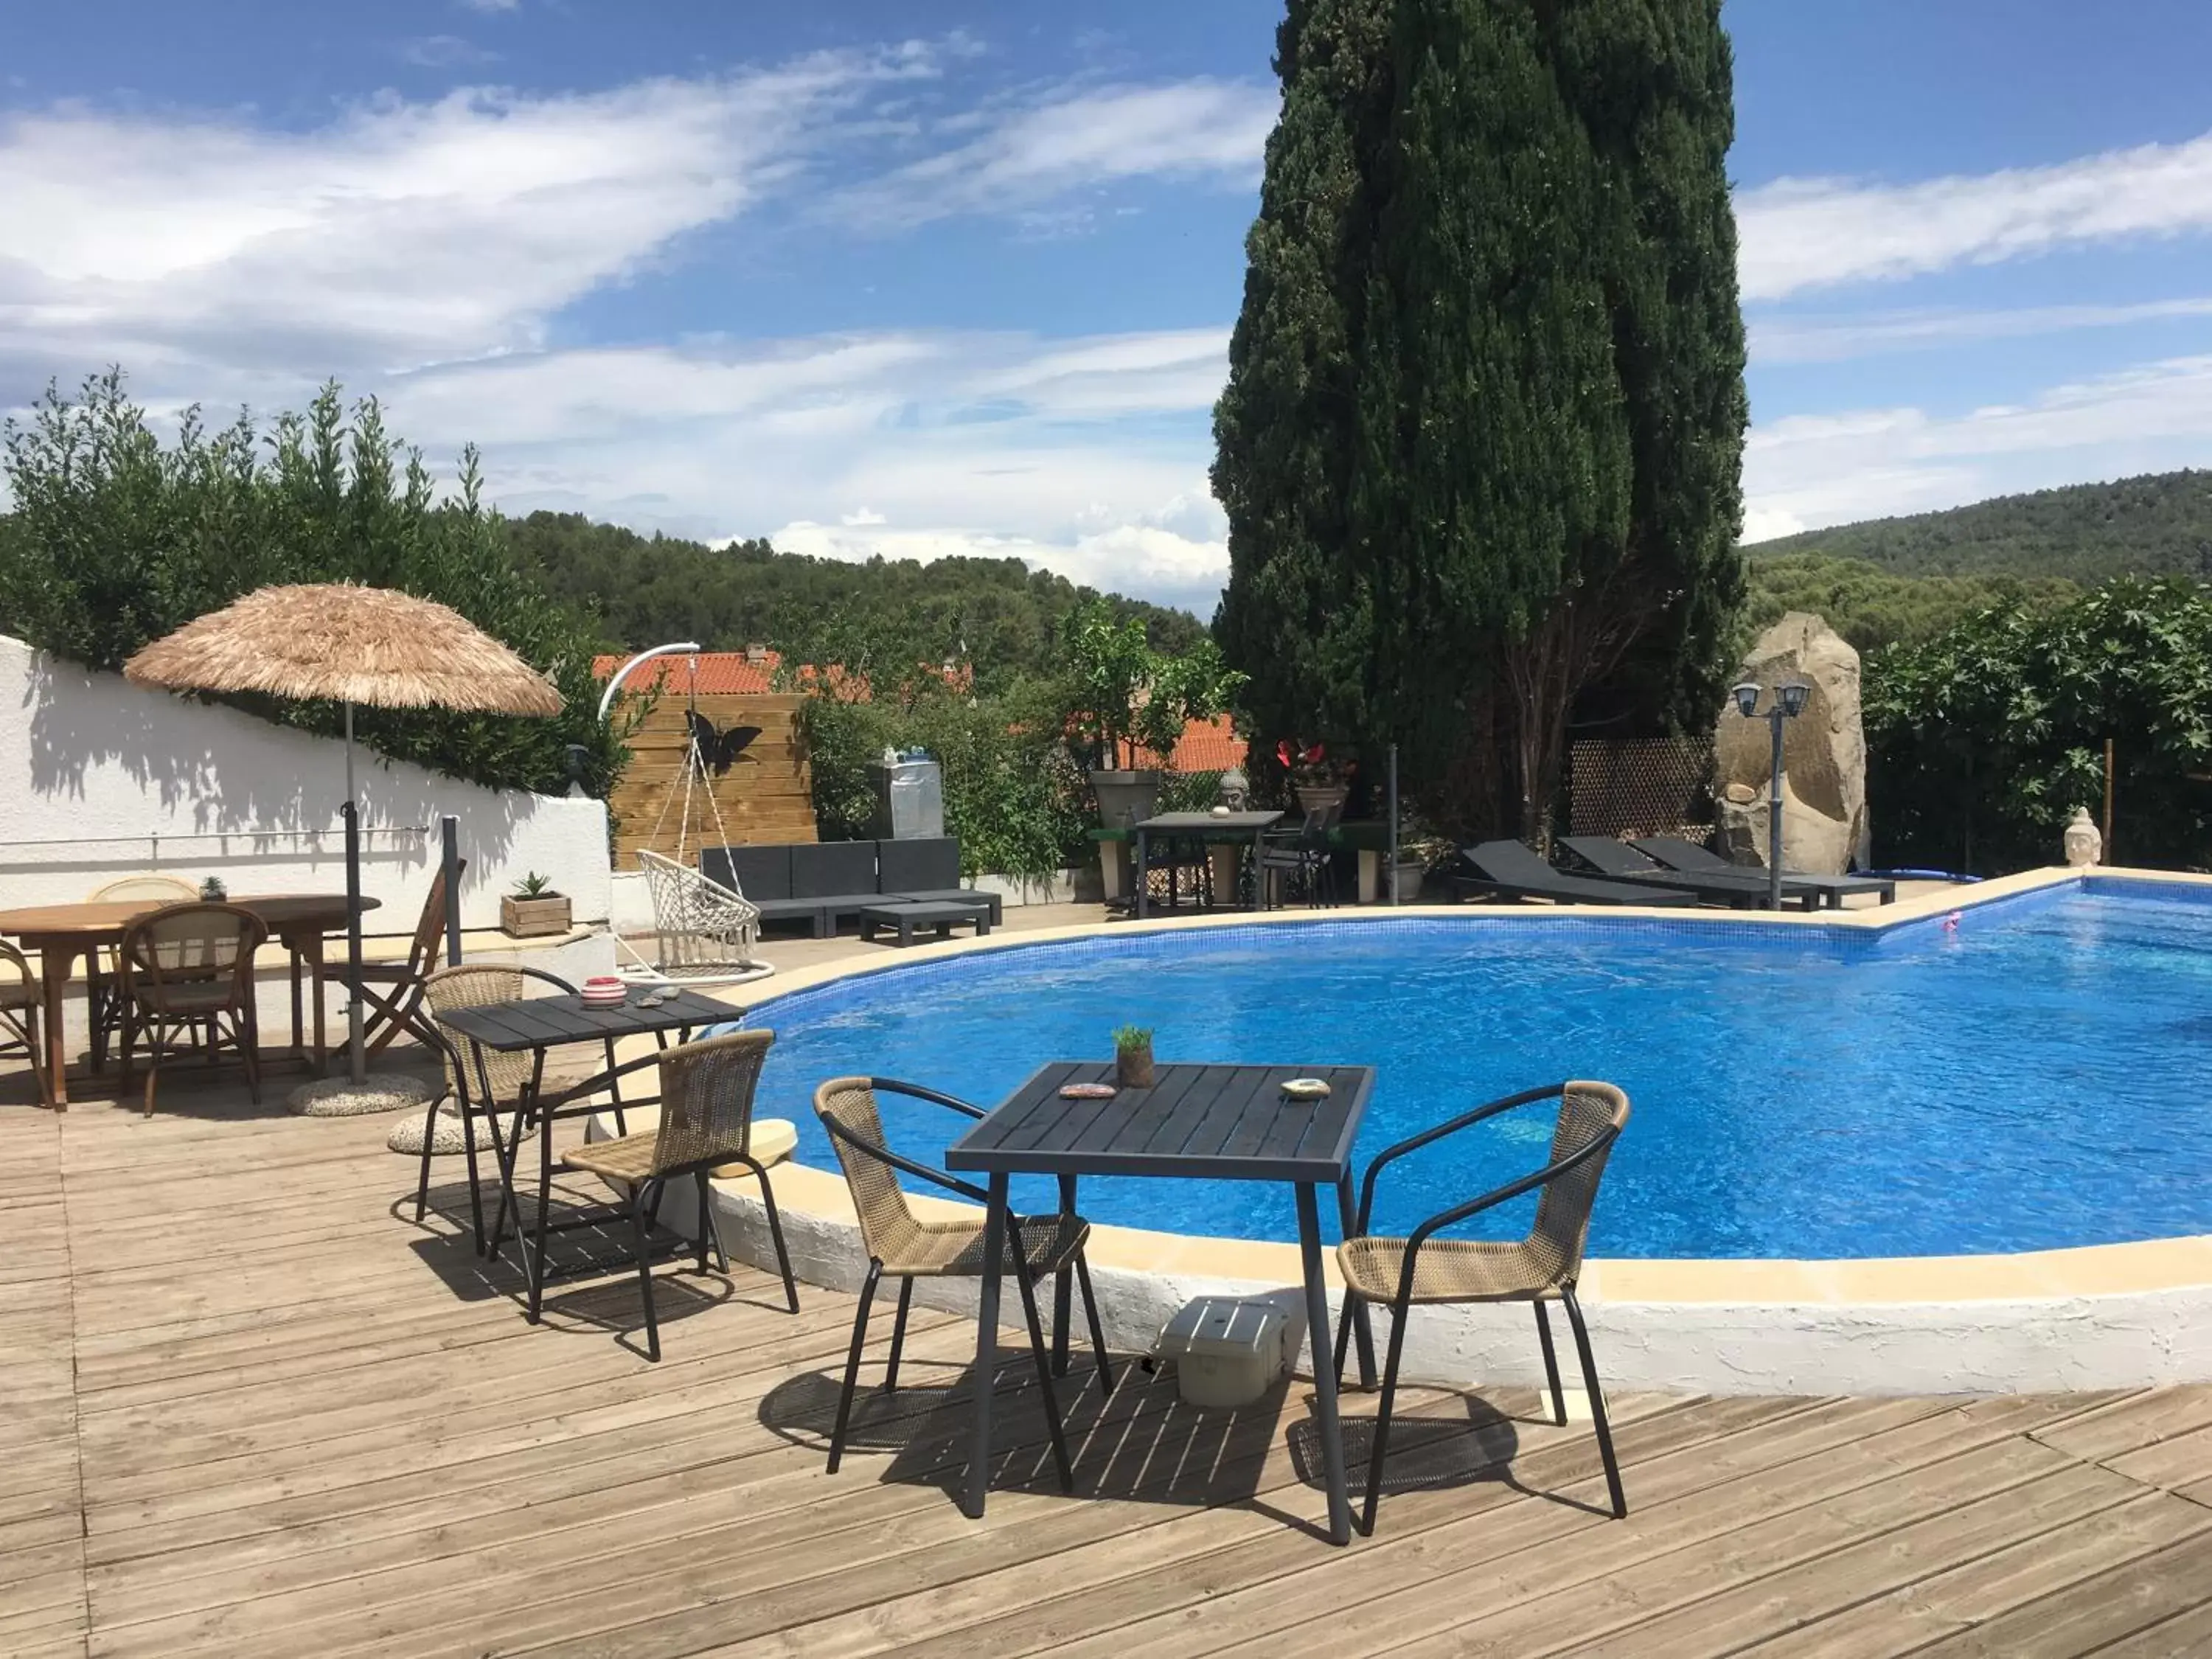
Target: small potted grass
(1132, 1056)
(533, 908)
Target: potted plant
(1417, 856)
(213, 891)
(1132, 1056)
(1319, 779)
(1130, 703)
(533, 908)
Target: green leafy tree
(1119, 695)
(1480, 445)
(1982, 741)
(117, 539)
(1872, 606)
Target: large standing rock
(1824, 811)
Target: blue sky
(931, 277)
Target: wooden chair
(902, 1245)
(1542, 1267)
(706, 1090)
(102, 978)
(22, 1014)
(392, 991)
(188, 973)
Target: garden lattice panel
(1641, 787)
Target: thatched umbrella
(349, 645)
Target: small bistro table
(1211, 1122)
(1199, 826)
(60, 933)
(537, 1025)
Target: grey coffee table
(943, 914)
(1214, 1122)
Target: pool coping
(2037, 1286)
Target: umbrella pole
(355, 1058)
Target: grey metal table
(536, 1025)
(1211, 1122)
(1217, 826)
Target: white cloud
(1087, 456)
(1802, 234)
(400, 233)
(443, 51)
(1204, 131)
(1809, 471)
(1782, 340)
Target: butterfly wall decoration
(715, 750)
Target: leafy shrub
(117, 540)
(1012, 794)
(1982, 742)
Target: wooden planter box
(529, 918)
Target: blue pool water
(2042, 1077)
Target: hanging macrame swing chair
(705, 933)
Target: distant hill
(996, 614)
(2156, 525)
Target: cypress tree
(1480, 443)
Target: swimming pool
(2034, 1079)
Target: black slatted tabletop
(1227, 1122)
(550, 1021)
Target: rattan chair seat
(951, 1249)
(1448, 1270)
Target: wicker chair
(904, 1247)
(707, 1091)
(104, 979)
(392, 991)
(703, 928)
(479, 1080)
(22, 1012)
(1423, 1268)
(188, 972)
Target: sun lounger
(1617, 860)
(1509, 869)
(1679, 854)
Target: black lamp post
(1789, 702)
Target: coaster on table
(1306, 1088)
(1087, 1091)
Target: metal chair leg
(469, 1151)
(1344, 1335)
(1043, 1357)
(534, 1254)
(1382, 1418)
(898, 1336)
(1098, 1329)
(853, 1364)
(642, 1239)
(1551, 1362)
(1596, 1401)
(429, 1130)
(706, 1214)
(775, 1234)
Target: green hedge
(118, 538)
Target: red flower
(1283, 753)
(1314, 756)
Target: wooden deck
(248, 1407)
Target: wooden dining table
(60, 933)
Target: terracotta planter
(533, 918)
(1133, 1067)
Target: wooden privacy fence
(766, 794)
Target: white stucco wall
(99, 779)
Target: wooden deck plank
(2141, 1599)
(256, 1410)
